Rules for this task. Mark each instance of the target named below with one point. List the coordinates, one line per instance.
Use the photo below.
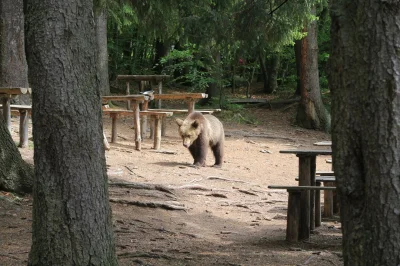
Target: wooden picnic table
(190, 99)
(141, 78)
(6, 94)
(323, 143)
(307, 166)
(134, 101)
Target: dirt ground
(206, 216)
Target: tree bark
(71, 213)
(101, 38)
(311, 112)
(365, 86)
(15, 174)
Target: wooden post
(312, 192)
(159, 92)
(157, 129)
(128, 92)
(191, 103)
(105, 141)
(7, 111)
(23, 128)
(293, 216)
(145, 107)
(138, 139)
(317, 205)
(304, 180)
(328, 201)
(114, 135)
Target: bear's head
(189, 130)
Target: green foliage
(236, 113)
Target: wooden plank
(301, 187)
(325, 173)
(133, 97)
(143, 77)
(156, 113)
(249, 100)
(180, 96)
(14, 91)
(323, 143)
(322, 179)
(307, 152)
(184, 111)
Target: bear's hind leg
(218, 151)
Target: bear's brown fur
(199, 132)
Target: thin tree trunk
(311, 112)
(365, 86)
(101, 38)
(71, 212)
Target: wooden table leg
(138, 139)
(328, 201)
(293, 216)
(317, 205)
(128, 92)
(312, 192)
(191, 103)
(114, 118)
(157, 133)
(304, 180)
(145, 107)
(23, 128)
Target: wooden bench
(23, 111)
(157, 116)
(329, 200)
(298, 219)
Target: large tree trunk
(311, 113)
(365, 85)
(15, 174)
(101, 38)
(71, 212)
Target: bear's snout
(186, 145)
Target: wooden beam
(180, 96)
(15, 91)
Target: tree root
(148, 204)
(141, 186)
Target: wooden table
(6, 94)
(307, 165)
(323, 143)
(134, 101)
(141, 78)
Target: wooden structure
(295, 227)
(134, 101)
(6, 94)
(23, 112)
(157, 116)
(307, 166)
(141, 79)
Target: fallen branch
(226, 179)
(141, 186)
(144, 255)
(247, 192)
(194, 187)
(148, 204)
(164, 151)
(218, 195)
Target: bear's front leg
(198, 154)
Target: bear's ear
(179, 121)
(195, 124)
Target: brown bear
(199, 132)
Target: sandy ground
(224, 216)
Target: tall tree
(311, 112)
(365, 85)
(101, 38)
(71, 212)
(15, 174)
